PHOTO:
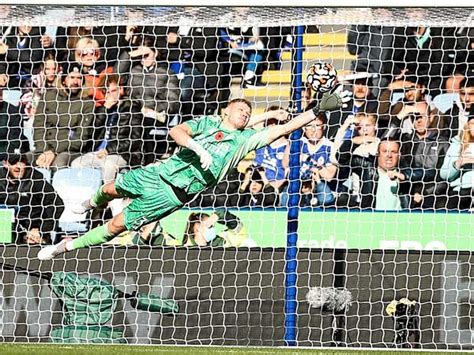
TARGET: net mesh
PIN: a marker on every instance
(385, 235)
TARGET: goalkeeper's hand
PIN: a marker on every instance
(204, 156)
(333, 100)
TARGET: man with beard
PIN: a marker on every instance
(37, 206)
(60, 122)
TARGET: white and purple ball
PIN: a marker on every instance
(322, 77)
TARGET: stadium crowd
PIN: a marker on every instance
(105, 97)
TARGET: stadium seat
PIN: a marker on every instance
(74, 185)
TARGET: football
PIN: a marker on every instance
(322, 77)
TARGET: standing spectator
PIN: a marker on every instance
(362, 101)
(410, 89)
(379, 183)
(116, 134)
(154, 88)
(23, 49)
(458, 167)
(11, 134)
(363, 144)
(61, 120)
(246, 44)
(87, 55)
(37, 206)
(422, 155)
(458, 115)
(317, 170)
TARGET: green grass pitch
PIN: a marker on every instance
(56, 349)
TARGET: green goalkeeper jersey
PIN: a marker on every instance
(226, 147)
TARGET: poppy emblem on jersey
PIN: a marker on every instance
(219, 136)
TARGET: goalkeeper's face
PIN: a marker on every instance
(237, 114)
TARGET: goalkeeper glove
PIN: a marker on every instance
(204, 156)
(333, 100)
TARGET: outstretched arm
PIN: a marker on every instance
(329, 102)
(183, 136)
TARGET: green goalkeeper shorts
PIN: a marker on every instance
(153, 198)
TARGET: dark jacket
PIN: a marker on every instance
(11, 133)
(156, 88)
(369, 177)
(123, 126)
(60, 122)
(421, 159)
(37, 204)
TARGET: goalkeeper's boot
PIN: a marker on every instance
(84, 207)
(49, 252)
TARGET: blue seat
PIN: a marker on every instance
(74, 185)
(445, 102)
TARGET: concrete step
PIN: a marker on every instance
(317, 53)
(325, 39)
(278, 91)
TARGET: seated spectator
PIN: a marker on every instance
(270, 157)
(422, 155)
(200, 230)
(317, 171)
(60, 122)
(37, 206)
(458, 167)
(464, 60)
(363, 144)
(245, 43)
(255, 190)
(459, 113)
(87, 55)
(12, 138)
(23, 48)
(116, 134)
(362, 101)
(411, 89)
(155, 89)
(379, 183)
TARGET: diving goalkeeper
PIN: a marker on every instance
(211, 146)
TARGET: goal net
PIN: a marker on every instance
(356, 231)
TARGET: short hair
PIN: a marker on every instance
(106, 80)
(388, 140)
(365, 115)
(467, 82)
(87, 42)
(241, 100)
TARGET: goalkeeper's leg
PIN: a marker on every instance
(103, 195)
(96, 236)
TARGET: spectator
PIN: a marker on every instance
(457, 116)
(37, 206)
(464, 66)
(379, 183)
(458, 167)
(116, 134)
(48, 77)
(373, 46)
(363, 144)
(12, 138)
(255, 190)
(60, 122)
(155, 89)
(362, 101)
(200, 230)
(317, 171)
(424, 51)
(410, 90)
(422, 155)
(87, 55)
(23, 49)
(270, 157)
(245, 43)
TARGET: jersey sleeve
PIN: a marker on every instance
(256, 140)
(200, 124)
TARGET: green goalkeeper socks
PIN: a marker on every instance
(98, 235)
(100, 198)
